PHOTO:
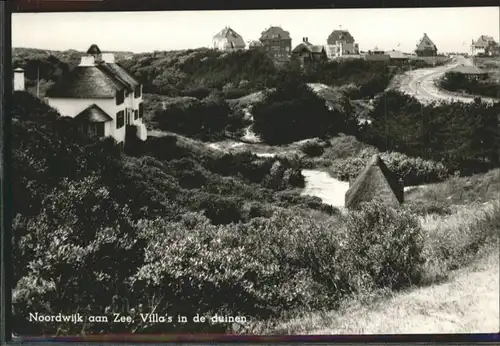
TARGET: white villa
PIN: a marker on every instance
(101, 95)
(340, 43)
(228, 40)
(484, 46)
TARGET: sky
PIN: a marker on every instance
(451, 29)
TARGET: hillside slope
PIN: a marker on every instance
(468, 303)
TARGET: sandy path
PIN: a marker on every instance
(468, 303)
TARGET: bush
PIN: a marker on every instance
(312, 149)
(205, 119)
(269, 267)
(413, 171)
(385, 245)
(464, 136)
(294, 112)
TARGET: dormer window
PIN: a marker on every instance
(120, 97)
(137, 91)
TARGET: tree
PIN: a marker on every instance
(294, 112)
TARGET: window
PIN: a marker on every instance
(141, 110)
(136, 114)
(120, 97)
(137, 91)
(93, 130)
(120, 121)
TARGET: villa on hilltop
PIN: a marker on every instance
(340, 43)
(306, 52)
(485, 46)
(426, 47)
(228, 40)
(277, 42)
(100, 95)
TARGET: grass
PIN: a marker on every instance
(459, 190)
(458, 306)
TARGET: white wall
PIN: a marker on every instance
(340, 49)
(71, 107)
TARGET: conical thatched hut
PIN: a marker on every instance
(375, 180)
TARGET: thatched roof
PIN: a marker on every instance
(375, 180)
(87, 82)
(120, 73)
(93, 114)
(101, 80)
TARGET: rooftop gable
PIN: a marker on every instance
(340, 35)
(375, 180)
(93, 114)
(425, 43)
(275, 32)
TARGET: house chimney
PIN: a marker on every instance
(87, 60)
(19, 79)
(303, 39)
(108, 58)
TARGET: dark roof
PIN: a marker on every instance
(87, 82)
(102, 80)
(93, 114)
(484, 40)
(93, 49)
(301, 46)
(340, 35)
(425, 43)
(470, 69)
(309, 47)
(375, 180)
(275, 32)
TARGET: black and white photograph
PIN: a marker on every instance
(256, 172)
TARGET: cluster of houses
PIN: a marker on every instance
(100, 95)
(339, 44)
(105, 100)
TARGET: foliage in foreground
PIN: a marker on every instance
(262, 269)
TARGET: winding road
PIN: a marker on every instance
(420, 84)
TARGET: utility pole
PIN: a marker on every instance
(38, 82)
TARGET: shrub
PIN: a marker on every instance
(386, 245)
(269, 267)
(203, 119)
(413, 171)
(292, 113)
(312, 149)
